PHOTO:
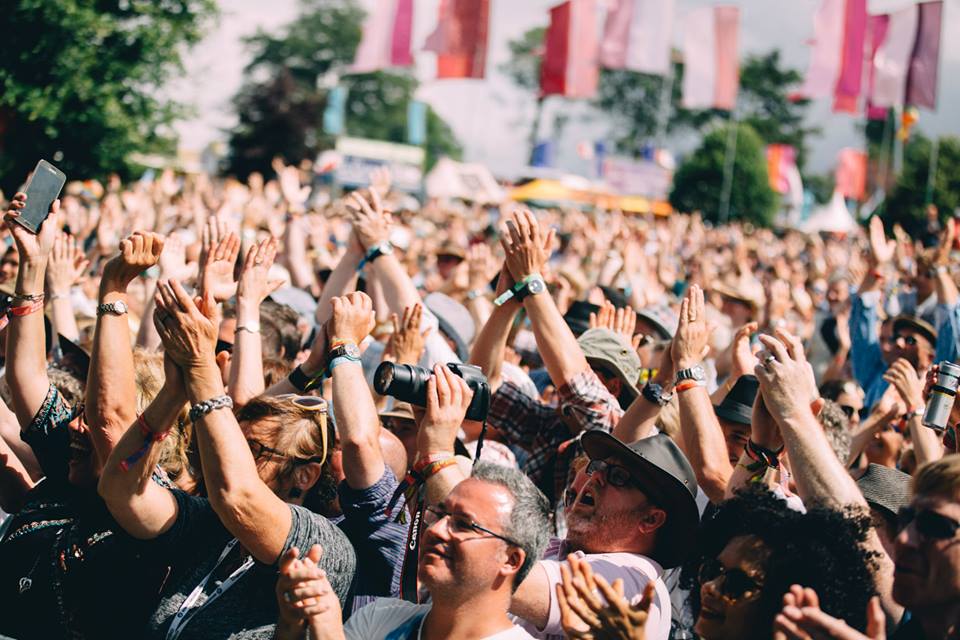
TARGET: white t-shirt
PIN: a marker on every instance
(635, 570)
(393, 619)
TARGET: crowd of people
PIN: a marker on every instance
(255, 410)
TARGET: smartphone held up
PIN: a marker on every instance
(43, 188)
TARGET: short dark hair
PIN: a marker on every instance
(821, 549)
(529, 523)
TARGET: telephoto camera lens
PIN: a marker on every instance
(409, 383)
(942, 395)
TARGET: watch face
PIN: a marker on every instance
(537, 286)
(698, 373)
(386, 248)
(120, 306)
(351, 350)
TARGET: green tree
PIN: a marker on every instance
(281, 103)
(907, 203)
(697, 182)
(80, 81)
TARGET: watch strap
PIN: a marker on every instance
(517, 290)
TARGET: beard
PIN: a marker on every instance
(601, 532)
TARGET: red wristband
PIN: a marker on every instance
(434, 468)
(426, 461)
(27, 309)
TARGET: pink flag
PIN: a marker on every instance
(851, 177)
(892, 60)
(877, 28)
(569, 67)
(386, 37)
(824, 56)
(637, 36)
(847, 91)
(710, 53)
(781, 162)
(922, 81)
(460, 39)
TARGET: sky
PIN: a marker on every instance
(491, 117)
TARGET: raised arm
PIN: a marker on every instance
(358, 425)
(448, 398)
(66, 266)
(111, 393)
(142, 507)
(26, 357)
(342, 280)
(246, 506)
(703, 438)
(487, 351)
(926, 443)
(528, 250)
(246, 373)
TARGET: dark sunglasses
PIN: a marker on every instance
(460, 524)
(930, 524)
(909, 340)
(848, 410)
(616, 475)
(736, 583)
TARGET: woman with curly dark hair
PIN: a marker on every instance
(756, 547)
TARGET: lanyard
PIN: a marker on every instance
(188, 609)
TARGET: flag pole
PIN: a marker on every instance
(728, 160)
(666, 104)
(932, 170)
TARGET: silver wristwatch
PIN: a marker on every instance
(695, 373)
(117, 308)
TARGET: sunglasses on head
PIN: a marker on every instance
(736, 582)
(930, 524)
(307, 403)
(616, 475)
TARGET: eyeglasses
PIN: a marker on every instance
(459, 524)
(736, 582)
(261, 450)
(616, 475)
(307, 403)
(930, 524)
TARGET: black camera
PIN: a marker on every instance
(409, 383)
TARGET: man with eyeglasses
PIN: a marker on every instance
(478, 545)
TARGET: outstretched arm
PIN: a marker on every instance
(487, 351)
(66, 266)
(111, 393)
(358, 425)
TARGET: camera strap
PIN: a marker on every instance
(409, 589)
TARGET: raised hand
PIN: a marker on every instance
(33, 247)
(140, 251)
(584, 616)
(881, 249)
(407, 341)
(803, 619)
(692, 340)
(67, 264)
(380, 180)
(218, 260)
(622, 321)
(908, 384)
(304, 595)
(188, 328)
(371, 223)
(526, 245)
(254, 285)
(293, 193)
(448, 398)
(353, 318)
(744, 360)
(173, 260)
(478, 265)
(785, 377)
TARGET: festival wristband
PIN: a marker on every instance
(436, 467)
(25, 310)
(515, 289)
(339, 360)
(686, 385)
(426, 461)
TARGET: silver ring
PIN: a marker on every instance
(769, 359)
(287, 596)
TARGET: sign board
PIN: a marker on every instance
(360, 156)
(637, 178)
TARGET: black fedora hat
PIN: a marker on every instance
(664, 474)
(737, 406)
(885, 489)
(577, 316)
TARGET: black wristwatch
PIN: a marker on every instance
(653, 392)
(302, 382)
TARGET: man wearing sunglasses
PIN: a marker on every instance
(927, 553)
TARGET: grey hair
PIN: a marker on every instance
(529, 522)
(837, 429)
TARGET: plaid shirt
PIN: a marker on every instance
(544, 431)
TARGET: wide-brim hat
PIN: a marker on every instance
(737, 406)
(919, 325)
(577, 316)
(662, 318)
(399, 411)
(605, 349)
(885, 489)
(664, 474)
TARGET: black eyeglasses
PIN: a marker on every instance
(460, 524)
(930, 524)
(736, 582)
(909, 340)
(616, 475)
(261, 450)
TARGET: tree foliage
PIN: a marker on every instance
(697, 182)
(907, 203)
(281, 103)
(80, 80)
